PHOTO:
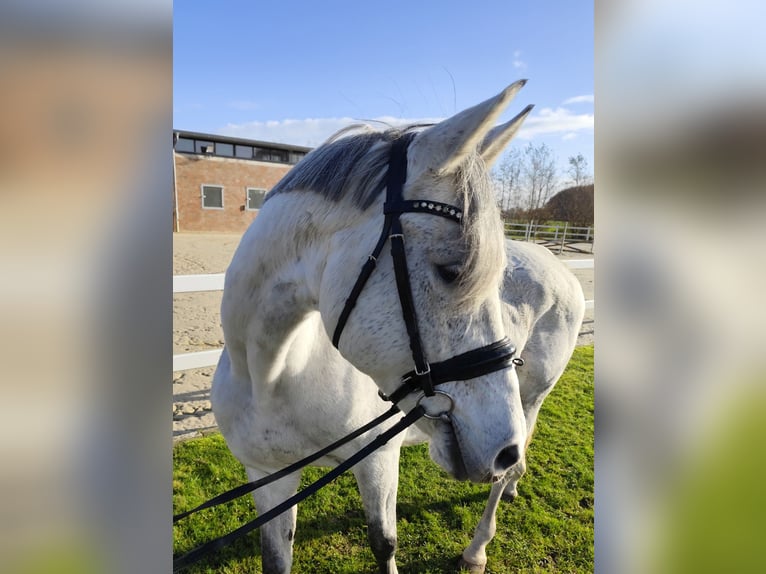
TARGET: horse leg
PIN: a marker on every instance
(378, 479)
(276, 535)
(474, 557)
(513, 476)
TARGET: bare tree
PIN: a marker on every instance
(578, 170)
(507, 176)
(538, 175)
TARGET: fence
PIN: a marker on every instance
(553, 236)
(214, 282)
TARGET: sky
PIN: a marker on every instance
(296, 72)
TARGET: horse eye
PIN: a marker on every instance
(448, 273)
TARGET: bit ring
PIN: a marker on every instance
(442, 415)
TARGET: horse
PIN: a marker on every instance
(310, 347)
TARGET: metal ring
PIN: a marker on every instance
(442, 414)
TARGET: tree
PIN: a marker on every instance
(578, 170)
(538, 175)
(507, 177)
(574, 204)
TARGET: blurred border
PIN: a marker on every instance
(85, 311)
(85, 305)
(680, 169)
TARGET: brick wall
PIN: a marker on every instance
(235, 175)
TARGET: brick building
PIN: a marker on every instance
(220, 182)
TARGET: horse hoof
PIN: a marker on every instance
(464, 566)
(509, 497)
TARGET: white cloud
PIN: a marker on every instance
(551, 121)
(518, 63)
(311, 132)
(308, 132)
(584, 99)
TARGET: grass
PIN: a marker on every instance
(548, 528)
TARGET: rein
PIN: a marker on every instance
(424, 377)
(218, 543)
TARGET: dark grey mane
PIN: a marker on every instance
(347, 166)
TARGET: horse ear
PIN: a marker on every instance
(499, 136)
(442, 148)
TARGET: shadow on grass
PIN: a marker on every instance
(326, 525)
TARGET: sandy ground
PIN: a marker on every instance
(197, 324)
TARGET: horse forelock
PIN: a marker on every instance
(352, 166)
(482, 232)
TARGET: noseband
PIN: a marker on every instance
(424, 377)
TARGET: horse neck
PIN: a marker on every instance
(272, 284)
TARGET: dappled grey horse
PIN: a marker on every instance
(283, 389)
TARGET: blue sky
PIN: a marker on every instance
(296, 72)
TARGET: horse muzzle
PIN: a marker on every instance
(450, 450)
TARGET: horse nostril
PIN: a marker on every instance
(507, 457)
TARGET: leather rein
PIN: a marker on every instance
(424, 377)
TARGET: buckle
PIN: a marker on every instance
(424, 379)
(424, 373)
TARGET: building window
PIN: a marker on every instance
(243, 151)
(255, 198)
(212, 197)
(211, 147)
(296, 156)
(224, 149)
(203, 146)
(185, 145)
(270, 154)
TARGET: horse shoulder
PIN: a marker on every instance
(537, 281)
(544, 310)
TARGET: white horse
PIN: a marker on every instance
(282, 390)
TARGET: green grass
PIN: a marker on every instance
(548, 528)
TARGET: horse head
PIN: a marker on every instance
(441, 299)
(454, 267)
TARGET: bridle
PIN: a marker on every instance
(425, 376)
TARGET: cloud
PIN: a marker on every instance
(311, 132)
(308, 132)
(585, 99)
(551, 121)
(518, 63)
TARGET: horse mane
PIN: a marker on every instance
(352, 166)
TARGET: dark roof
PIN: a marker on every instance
(241, 141)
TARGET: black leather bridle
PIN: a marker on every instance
(424, 377)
